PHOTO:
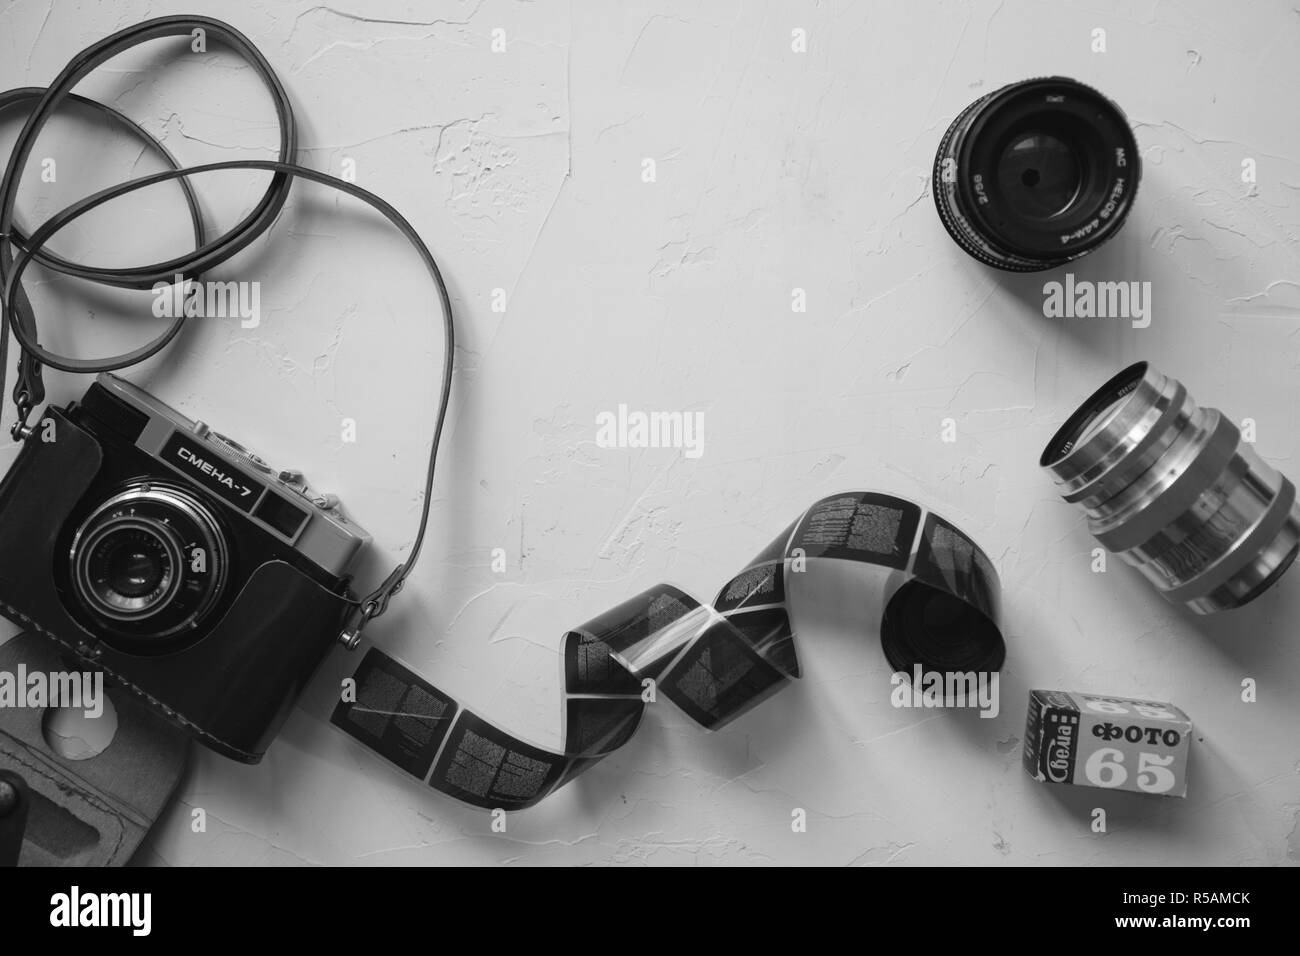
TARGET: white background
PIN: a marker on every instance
(776, 170)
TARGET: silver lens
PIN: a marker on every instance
(1170, 488)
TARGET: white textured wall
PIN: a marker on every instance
(776, 170)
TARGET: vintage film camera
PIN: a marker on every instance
(176, 561)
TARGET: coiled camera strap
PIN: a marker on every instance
(18, 251)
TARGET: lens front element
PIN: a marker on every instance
(1039, 175)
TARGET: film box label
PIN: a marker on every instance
(1116, 743)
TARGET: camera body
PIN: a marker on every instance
(176, 561)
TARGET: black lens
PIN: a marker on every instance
(1036, 174)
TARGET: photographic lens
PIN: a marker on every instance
(148, 563)
(1171, 488)
(1036, 174)
(130, 567)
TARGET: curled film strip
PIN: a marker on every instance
(936, 591)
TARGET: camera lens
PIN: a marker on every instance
(130, 567)
(1036, 174)
(1171, 488)
(148, 564)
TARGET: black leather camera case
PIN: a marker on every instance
(234, 681)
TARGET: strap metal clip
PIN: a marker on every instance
(370, 608)
(21, 431)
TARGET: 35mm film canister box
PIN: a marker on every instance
(1117, 743)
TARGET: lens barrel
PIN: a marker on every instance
(1171, 488)
(130, 568)
(1036, 174)
(148, 565)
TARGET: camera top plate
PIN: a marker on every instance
(280, 502)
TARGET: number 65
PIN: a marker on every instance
(1105, 768)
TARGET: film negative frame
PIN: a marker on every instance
(714, 661)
